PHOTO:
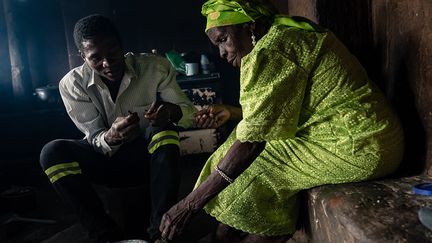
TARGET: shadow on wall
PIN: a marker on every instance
(356, 32)
(389, 56)
(414, 133)
(403, 33)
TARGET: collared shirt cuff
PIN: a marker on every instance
(106, 148)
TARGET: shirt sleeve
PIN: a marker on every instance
(171, 92)
(84, 114)
(272, 89)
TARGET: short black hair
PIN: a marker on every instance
(93, 26)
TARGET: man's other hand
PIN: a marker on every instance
(124, 128)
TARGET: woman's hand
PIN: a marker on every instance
(176, 219)
(212, 117)
(239, 157)
(163, 113)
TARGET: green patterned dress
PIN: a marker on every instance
(322, 119)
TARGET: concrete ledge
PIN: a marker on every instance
(198, 141)
(376, 211)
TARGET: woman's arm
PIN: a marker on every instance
(239, 157)
(236, 112)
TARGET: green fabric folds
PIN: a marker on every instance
(323, 122)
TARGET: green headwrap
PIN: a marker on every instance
(226, 12)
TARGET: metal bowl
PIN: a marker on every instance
(49, 93)
(131, 241)
(19, 198)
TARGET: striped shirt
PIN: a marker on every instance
(88, 101)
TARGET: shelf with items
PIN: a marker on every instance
(202, 90)
(200, 80)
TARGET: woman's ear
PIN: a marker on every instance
(81, 54)
(250, 26)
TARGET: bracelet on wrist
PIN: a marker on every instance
(223, 175)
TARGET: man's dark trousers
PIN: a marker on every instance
(73, 166)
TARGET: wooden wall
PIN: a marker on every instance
(392, 40)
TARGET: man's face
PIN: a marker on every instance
(105, 57)
(234, 42)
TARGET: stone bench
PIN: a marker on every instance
(375, 211)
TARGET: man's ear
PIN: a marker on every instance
(81, 54)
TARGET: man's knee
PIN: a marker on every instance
(54, 161)
(54, 152)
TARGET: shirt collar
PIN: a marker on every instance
(127, 76)
(129, 69)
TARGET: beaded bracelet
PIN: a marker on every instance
(221, 173)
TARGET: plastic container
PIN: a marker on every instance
(205, 64)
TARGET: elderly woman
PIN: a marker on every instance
(309, 116)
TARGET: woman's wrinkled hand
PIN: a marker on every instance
(212, 117)
(123, 129)
(176, 219)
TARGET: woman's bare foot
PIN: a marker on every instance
(222, 234)
(227, 234)
(265, 239)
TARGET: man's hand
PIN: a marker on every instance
(123, 129)
(162, 113)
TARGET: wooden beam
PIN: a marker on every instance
(21, 80)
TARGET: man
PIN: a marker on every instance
(128, 108)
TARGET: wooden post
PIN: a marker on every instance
(5, 74)
(21, 80)
(73, 56)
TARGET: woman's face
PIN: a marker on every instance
(234, 42)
